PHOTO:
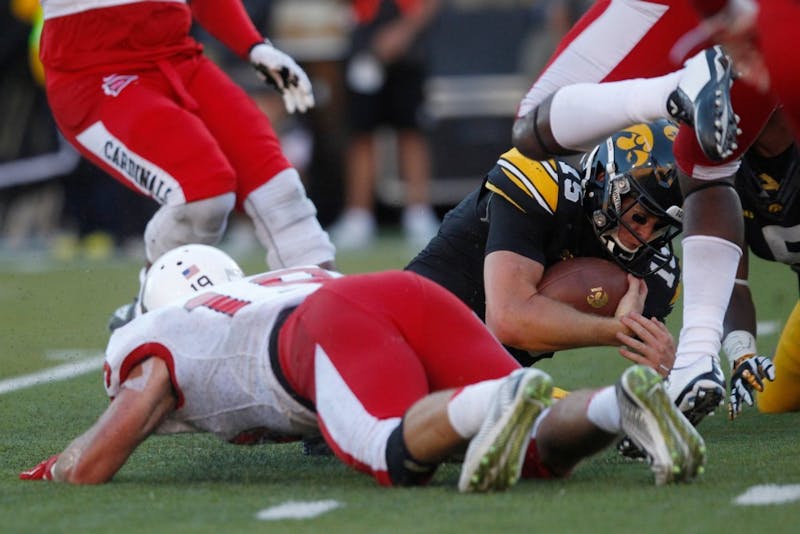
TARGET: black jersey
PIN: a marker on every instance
(532, 208)
(768, 190)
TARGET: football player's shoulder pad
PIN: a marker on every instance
(528, 183)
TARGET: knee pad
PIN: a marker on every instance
(202, 221)
(286, 224)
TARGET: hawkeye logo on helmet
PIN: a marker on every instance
(670, 132)
(637, 143)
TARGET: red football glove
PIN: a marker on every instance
(43, 471)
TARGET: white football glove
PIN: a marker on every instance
(281, 71)
(748, 374)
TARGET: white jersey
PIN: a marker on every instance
(59, 8)
(216, 347)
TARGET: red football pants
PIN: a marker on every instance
(364, 348)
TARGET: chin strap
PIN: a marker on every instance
(615, 247)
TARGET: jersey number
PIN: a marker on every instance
(572, 188)
(783, 242)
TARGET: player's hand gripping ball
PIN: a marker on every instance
(590, 285)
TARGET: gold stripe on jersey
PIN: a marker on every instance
(538, 179)
(491, 187)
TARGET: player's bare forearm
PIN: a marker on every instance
(541, 324)
(521, 317)
(95, 456)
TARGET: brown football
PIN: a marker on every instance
(590, 285)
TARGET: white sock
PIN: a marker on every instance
(709, 271)
(467, 409)
(584, 114)
(603, 411)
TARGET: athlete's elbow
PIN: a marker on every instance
(85, 473)
(506, 330)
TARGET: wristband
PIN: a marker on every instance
(739, 343)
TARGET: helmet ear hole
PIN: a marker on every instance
(185, 270)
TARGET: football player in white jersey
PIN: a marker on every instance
(392, 369)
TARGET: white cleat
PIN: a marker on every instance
(495, 455)
(697, 389)
(674, 448)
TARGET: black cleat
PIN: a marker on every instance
(703, 101)
(123, 315)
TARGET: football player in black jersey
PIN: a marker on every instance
(493, 248)
(768, 183)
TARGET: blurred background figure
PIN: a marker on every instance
(31, 151)
(50, 198)
(385, 75)
(479, 57)
(139, 99)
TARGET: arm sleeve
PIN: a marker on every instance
(228, 21)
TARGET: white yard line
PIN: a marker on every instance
(769, 494)
(297, 510)
(766, 328)
(53, 374)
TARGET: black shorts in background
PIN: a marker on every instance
(398, 103)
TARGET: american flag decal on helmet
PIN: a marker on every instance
(115, 83)
(190, 272)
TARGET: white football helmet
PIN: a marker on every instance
(184, 270)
